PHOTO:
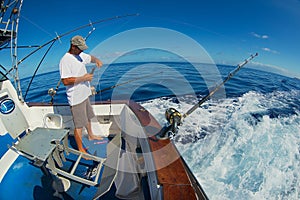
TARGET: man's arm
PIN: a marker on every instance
(74, 80)
(96, 61)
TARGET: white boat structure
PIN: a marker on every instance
(130, 163)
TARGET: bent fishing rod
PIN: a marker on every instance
(52, 41)
(175, 118)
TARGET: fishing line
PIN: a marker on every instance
(36, 25)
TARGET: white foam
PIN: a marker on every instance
(236, 149)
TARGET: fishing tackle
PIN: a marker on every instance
(174, 117)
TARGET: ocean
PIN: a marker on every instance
(243, 143)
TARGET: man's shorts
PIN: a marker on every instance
(82, 113)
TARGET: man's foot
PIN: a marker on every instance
(95, 137)
(83, 150)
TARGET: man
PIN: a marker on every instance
(77, 81)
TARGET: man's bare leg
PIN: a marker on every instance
(78, 139)
(90, 133)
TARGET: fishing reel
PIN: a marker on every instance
(52, 92)
(174, 118)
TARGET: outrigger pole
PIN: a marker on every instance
(67, 33)
(175, 118)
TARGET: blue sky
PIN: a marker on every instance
(228, 30)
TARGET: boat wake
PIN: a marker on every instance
(241, 147)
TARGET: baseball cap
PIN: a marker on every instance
(79, 42)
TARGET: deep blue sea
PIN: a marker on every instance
(243, 143)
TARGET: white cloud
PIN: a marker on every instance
(263, 65)
(270, 50)
(272, 68)
(259, 36)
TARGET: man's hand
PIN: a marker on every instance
(96, 61)
(88, 77)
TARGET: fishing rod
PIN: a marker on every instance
(52, 92)
(175, 118)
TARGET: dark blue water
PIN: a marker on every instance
(150, 82)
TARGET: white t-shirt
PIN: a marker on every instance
(70, 66)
